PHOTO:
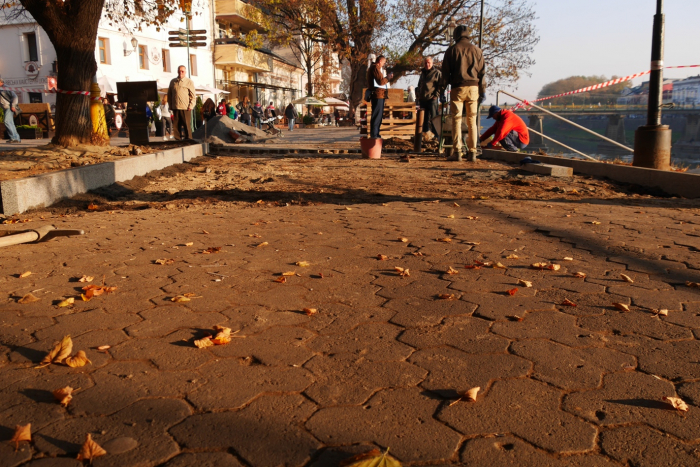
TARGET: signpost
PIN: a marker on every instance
(188, 38)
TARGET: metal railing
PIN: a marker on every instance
(604, 138)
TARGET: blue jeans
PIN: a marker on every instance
(376, 120)
(10, 125)
(512, 142)
(291, 124)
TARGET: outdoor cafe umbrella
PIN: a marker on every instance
(309, 100)
(333, 102)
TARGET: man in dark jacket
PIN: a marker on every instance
(257, 115)
(428, 93)
(509, 130)
(378, 85)
(291, 113)
(463, 69)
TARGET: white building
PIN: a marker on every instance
(687, 91)
(120, 55)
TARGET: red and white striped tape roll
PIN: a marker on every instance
(51, 91)
(612, 82)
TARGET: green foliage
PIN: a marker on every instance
(27, 127)
(607, 95)
(2, 115)
(308, 120)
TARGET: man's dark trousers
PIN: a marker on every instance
(431, 110)
(182, 118)
(376, 120)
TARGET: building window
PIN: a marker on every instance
(32, 49)
(35, 97)
(193, 64)
(143, 57)
(166, 60)
(103, 47)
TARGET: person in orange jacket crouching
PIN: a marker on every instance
(509, 130)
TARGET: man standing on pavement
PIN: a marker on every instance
(291, 113)
(509, 130)
(428, 94)
(181, 97)
(8, 101)
(377, 84)
(463, 69)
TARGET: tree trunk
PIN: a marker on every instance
(358, 80)
(75, 72)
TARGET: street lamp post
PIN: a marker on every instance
(652, 142)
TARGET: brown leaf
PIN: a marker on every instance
(446, 296)
(90, 450)
(382, 257)
(80, 359)
(22, 433)
(373, 458)
(621, 306)
(67, 302)
(451, 216)
(180, 299)
(455, 205)
(499, 266)
(63, 395)
(86, 279)
(281, 280)
(657, 313)
(402, 272)
(95, 290)
(403, 239)
(93, 207)
(29, 298)
(580, 275)
(260, 245)
(524, 283)
(553, 267)
(303, 264)
(538, 265)
(445, 240)
(61, 350)
(25, 274)
(512, 292)
(204, 342)
(473, 243)
(568, 258)
(514, 318)
(452, 271)
(512, 256)
(164, 262)
(677, 403)
(627, 278)
(692, 284)
(289, 273)
(469, 396)
(211, 249)
(189, 243)
(568, 302)
(223, 336)
(472, 266)
(595, 222)
(310, 311)
(104, 347)
(472, 218)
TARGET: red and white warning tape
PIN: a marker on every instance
(612, 82)
(51, 91)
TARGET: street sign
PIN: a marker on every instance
(198, 44)
(197, 31)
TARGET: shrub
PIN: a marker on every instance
(308, 120)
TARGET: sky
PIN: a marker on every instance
(606, 37)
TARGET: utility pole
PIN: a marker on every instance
(652, 142)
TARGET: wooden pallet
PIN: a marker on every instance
(393, 126)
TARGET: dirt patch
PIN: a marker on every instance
(398, 143)
(27, 162)
(218, 130)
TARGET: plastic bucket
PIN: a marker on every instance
(371, 148)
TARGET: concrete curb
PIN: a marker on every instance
(673, 183)
(23, 194)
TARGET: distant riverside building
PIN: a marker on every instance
(687, 91)
(639, 95)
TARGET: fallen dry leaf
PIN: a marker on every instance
(524, 283)
(469, 396)
(692, 284)
(29, 298)
(86, 279)
(595, 222)
(211, 249)
(481, 263)
(289, 273)
(568, 302)
(471, 218)
(80, 359)
(627, 278)
(580, 275)
(417, 253)
(621, 306)
(445, 240)
(568, 258)
(164, 262)
(189, 243)
(663, 312)
(473, 243)
(446, 296)
(203, 342)
(95, 290)
(373, 458)
(281, 280)
(22, 433)
(472, 266)
(223, 336)
(254, 235)
(538, 265)
(25, 274)
(403, 239)
(180, 299)
(451, 271)
(90, 450)
(67, 302)
(677, 403)
(93, 207)
(512, 292)
(310, 311)
(402, 272)
(514, 318)
(348, 209)
(512, 256)
(382, 257)
(499, 266)
(63, 395)
(61, 350)
(260, 245)
(104, 347)
(205, 232)
(455, 205)
(303, 264)
(554, 267)
(451, 216)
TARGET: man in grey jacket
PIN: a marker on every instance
(428, 94)
(463, 69)
(8, 101)
(181, 98)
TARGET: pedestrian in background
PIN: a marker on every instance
(231, 111)
(109, 114)
(463, 69)
(9, 102)
(166, 122)
(181, 97)
(270, 111)
(258, 114)
(221, 108)
(336, 116)
(245, 110)
(377, 86)
(428, 93)
(291, 113)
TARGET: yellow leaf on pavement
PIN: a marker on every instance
(580, 275)
(289, 273)
(382, 257)
(61, 350)
(373, 458)
(22, 433)
(692, 284)
(204, 342)
(446, 296)
(29, 298)
(512, 256)
(25, 274)
(451, 216)
(164, 262)
(310, 311)
(403, 239)
(90, 450)
(677, 403)
(445, 240)
(180, 299)
(67, 302)
(402, 272)
(524, 283)
(621, 306)
(627, 278)
(468, 396)
(63, 395)
(452, 271)
(86, 279)
(303, 264)
(80, 359)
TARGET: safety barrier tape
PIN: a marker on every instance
(51, 91)
(594, 87)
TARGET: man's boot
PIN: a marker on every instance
(456, 155)
(470, 156)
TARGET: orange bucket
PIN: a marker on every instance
(371, 148)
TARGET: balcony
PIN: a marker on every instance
(238, 13)
(228, 52)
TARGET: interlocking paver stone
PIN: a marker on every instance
(552, 325)
(469, 334)
(641, 445)
(204, 459)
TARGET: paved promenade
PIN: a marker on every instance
(384, 355)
